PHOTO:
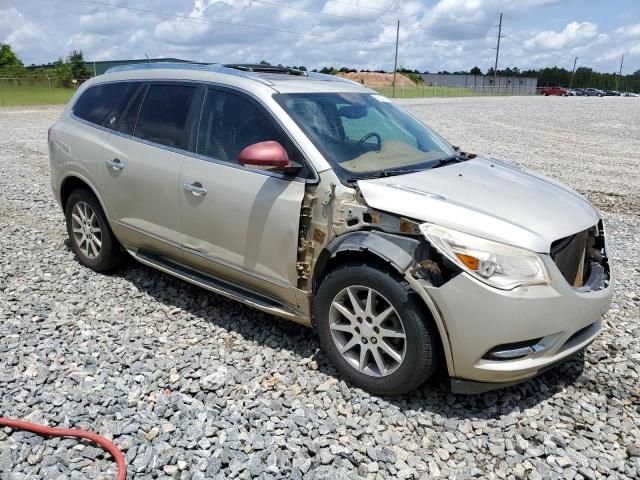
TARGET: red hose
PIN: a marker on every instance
(64, 432)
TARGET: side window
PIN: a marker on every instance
(163, 114)
(128, 122)
(230, 122)
(103, 104)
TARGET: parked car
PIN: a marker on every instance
(572, 92)
(629, 94)
(561, 91)
(593, 92)
(579, 92)
(316, 199)
(611, 93)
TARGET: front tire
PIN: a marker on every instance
(374, 330)
(91, 237)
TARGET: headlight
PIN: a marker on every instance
(496, 264)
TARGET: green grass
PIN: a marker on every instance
(41, 95)
(33, 95)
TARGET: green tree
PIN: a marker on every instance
(62, 72)
(77, 65)
(475, 71)
(8, 57)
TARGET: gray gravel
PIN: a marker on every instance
(194, 386)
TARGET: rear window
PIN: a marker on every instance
(163, 115)
(103, 104)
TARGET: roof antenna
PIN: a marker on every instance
(147, 55)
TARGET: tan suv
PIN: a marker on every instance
(316, 199)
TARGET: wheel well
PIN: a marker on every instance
(326, 263)
(68, 186)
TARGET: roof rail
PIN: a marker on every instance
(261, 68)
(203, 67)
(248, 71)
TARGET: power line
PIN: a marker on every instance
(317, 12)
(412, 15)
(234, 24)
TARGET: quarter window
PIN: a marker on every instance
(103, 104)
(231, 122)
(163, 115)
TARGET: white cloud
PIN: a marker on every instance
(572, 34)
(630, 31)
(434, 34)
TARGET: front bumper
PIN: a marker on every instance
(478, 318)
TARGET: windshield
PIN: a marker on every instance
(365, 135)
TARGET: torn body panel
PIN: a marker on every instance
(335, 220)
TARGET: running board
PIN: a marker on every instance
(221, 287)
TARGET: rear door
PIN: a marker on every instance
(141, 177)
(240, 223)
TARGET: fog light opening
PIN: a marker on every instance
(515, 351)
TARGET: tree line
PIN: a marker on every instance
(60, 73)
(548, 76)
(64, 71)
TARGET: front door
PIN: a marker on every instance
(238, 222)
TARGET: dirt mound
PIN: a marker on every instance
(372, 79)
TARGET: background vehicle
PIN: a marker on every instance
(579, 92)
(560, 91)
(318, 200)
(593, 92)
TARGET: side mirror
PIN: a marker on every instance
(269, 155)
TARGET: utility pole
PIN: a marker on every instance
(395, 62)
(495, 68)
(573, 72)
(620, 73)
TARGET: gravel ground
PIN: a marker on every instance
(194, 386)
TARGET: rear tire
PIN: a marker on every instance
(91, 237)
(400, 349)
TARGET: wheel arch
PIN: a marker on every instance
(73, 182)
(395, 253)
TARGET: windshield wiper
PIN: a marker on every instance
(385, 173)
(447, 160)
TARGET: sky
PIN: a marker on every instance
(435, 35)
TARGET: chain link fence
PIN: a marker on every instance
(33, 91)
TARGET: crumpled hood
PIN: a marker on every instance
(486, 197)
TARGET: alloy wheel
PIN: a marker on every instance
(367, 331)
(86, 230)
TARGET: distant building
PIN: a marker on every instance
(484, 83)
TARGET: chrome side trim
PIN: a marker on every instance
(221, 287)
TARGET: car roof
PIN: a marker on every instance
(250, 77)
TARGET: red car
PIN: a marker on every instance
(561, 91)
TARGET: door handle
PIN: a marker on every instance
(195, 188)
(115, 164)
